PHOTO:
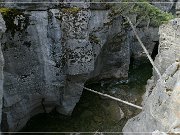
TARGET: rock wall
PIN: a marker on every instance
(30, 71)
(165, 5)
(2, 30)
(44, 58)
(49, 48)
(114, 44)
(77, 51)
(161, 100)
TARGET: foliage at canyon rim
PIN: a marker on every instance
(143, 11)
(72, 10)
(9, 15)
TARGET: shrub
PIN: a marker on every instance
(143, 11)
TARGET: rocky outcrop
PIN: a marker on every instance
(30, 72)
(48, 49)
(2, 29)
(114, 44)
(165, 5)
(111, 46)
(77, 51)
(161, 100)
(43, 62)
(178, 8)
(169, 44)
(161, 108)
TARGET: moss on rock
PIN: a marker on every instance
(143, 11)
(9, 16)
(72, 10)
(4, 10)
(94, 39)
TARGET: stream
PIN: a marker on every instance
(96, 113)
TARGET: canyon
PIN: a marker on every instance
(49, 48)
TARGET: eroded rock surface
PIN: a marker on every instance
(2, 30)
(161, 106)
(48, 49)
(44, 61)
(165, 5)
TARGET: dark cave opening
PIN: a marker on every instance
(94, 112)
(155, 50)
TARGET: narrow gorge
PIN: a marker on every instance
(49, 48)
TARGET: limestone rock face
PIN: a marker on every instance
(165, 5)
(178, 8)
(77, 52)
(2, 30)
(31, 76)
(42, 64)
(114, 49)
(51, 48)
(75, 36)
(169, 45)
(149, 37)
(161, 106)
(114, 45)
(30, 4)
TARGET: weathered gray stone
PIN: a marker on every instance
(49, 51)
(110, 41)
(74, 23)
(30, 4)
(98, 34)
(78, 3)
(169, 45)
(72, 93)
(80, 57)
(98, 31)
(33, 76)
(2, 30)
(165, 5)
(116, 58)
(109, 53)
(160, 110)
(149, 37)
(178, 8)
(77, 51)
(161, 104)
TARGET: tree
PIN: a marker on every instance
(143, 10)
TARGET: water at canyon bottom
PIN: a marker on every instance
(95, 113)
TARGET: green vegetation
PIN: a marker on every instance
(94, 39)
(72, 10)
(10, 12)
(143, 11)
(4, 10)
(9, 15)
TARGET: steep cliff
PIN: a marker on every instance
(48, 48)
(2, 30)
(43, 61)
(161, 100)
